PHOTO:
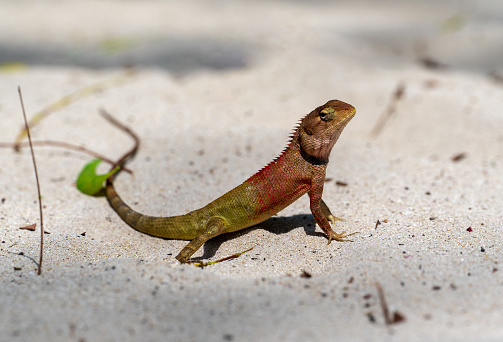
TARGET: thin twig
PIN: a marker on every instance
(61, 144)
(122, 160)
(233, 256)
(389, 317)
(384, 305)
(38, 183)
(390, 110)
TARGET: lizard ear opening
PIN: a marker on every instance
(327, 114)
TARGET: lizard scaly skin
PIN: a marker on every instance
(298, 170)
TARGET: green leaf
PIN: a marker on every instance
(88, 182)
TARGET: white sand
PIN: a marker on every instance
(219, 87)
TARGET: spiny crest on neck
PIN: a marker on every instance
(292, 143)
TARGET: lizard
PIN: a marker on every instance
(299, 169)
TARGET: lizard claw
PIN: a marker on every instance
(342, 237)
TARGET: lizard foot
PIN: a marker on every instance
(342, 237)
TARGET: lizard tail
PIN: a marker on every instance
(166, 227)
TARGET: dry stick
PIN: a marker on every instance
(389, 318)
(390, 110)
(38, 183)
(75, 96)
(61, 144)
(233, 256)
(127, 130)
(384, 305)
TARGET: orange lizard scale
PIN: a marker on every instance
(298, 170)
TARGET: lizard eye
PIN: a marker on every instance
(327, 114)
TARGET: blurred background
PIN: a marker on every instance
(185, 37)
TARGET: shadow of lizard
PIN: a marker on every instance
(275, 225)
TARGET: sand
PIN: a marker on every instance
(218, 87)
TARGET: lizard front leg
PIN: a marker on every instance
(322, 215)
(327, 213)
(215, 226)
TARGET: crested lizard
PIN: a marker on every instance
(299, 169)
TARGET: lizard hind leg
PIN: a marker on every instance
(215, 226)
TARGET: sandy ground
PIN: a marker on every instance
(217, 89)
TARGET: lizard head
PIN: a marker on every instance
(319, 130)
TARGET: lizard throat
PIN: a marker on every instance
(312, 159)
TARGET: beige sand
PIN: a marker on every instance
(219, 87)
